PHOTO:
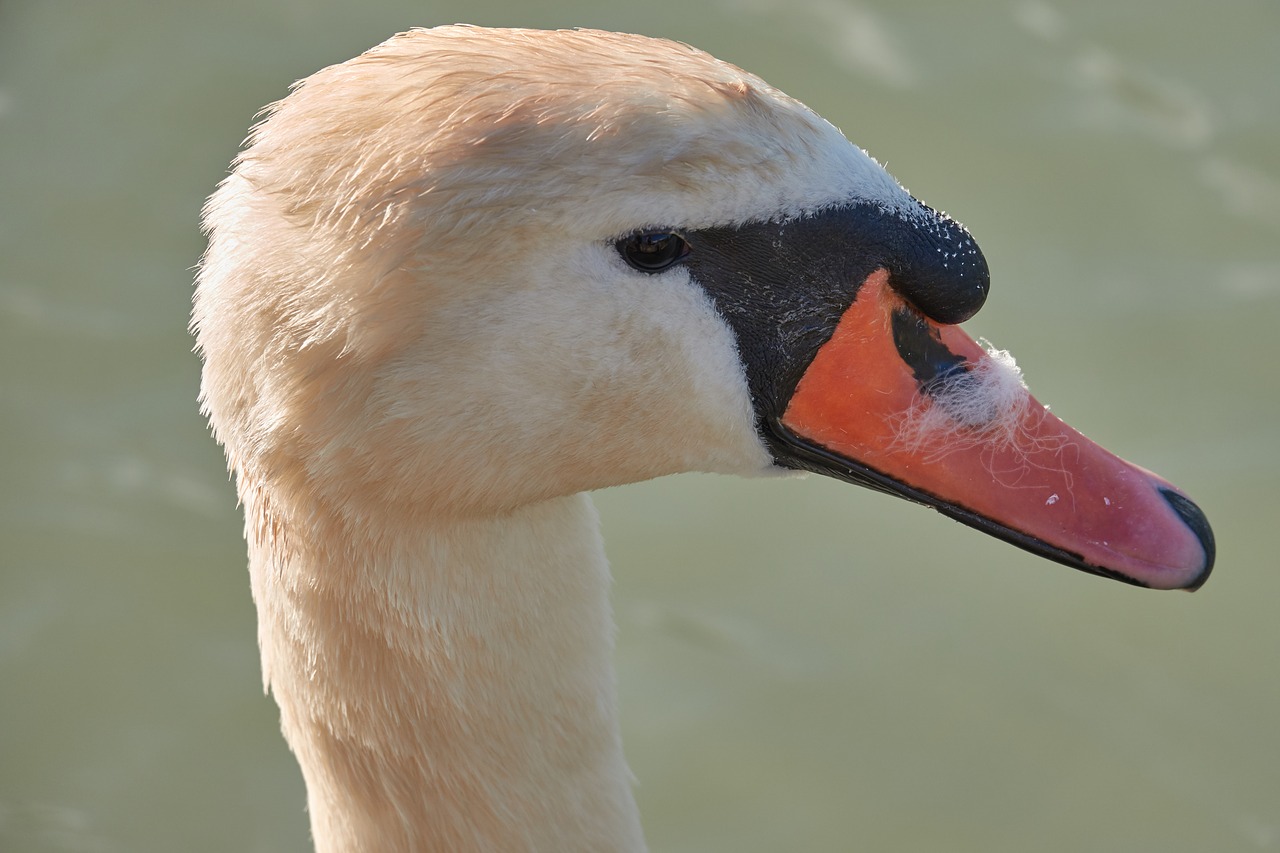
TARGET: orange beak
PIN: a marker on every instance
(903, 404)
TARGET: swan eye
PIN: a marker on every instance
(653, 251)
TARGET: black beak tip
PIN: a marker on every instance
(1195, 519)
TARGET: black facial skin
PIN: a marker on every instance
(783, 286)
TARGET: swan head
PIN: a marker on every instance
(472, 269)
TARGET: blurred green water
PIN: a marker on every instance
(804, 666)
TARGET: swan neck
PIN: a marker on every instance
(449, 687)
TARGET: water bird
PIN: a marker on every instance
(459, 281)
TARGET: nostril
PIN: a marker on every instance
(939, 268)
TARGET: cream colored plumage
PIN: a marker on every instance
(422, 345)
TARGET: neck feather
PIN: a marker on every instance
(448, 688)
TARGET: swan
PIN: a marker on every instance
(459, 281)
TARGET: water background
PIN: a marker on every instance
(804, 665)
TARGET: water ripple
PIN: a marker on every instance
(37, 310)
(1122, 95)
(1244, 190)
(855, 36)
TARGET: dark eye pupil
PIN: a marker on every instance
(653, 252)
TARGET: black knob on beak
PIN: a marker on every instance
(936, 265)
